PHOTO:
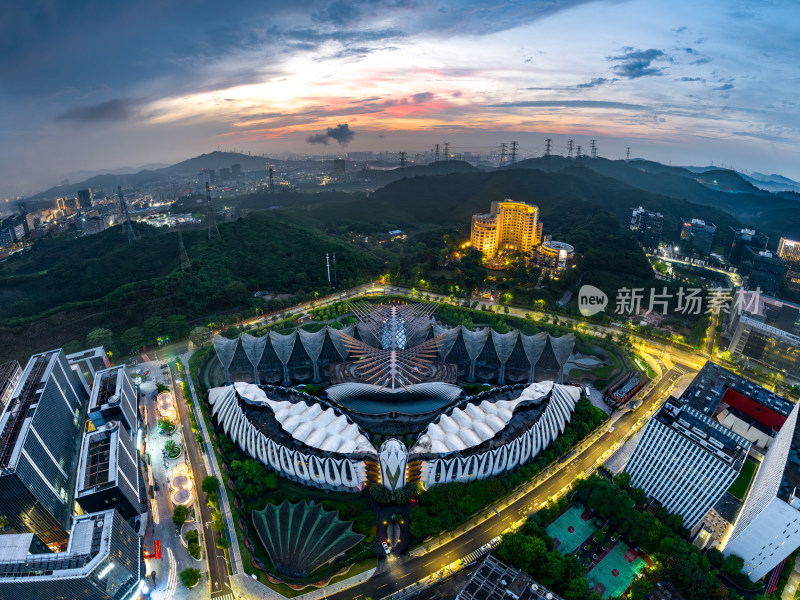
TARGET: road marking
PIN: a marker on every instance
(382, 586)
(427, 563)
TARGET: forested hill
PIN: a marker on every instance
(453, 199)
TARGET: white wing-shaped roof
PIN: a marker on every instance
(472, 425)
(312, 424)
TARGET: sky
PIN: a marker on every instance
(91, 85)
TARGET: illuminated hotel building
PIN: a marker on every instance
(510, 225)
(789, 250)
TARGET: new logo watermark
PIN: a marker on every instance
(591, 300)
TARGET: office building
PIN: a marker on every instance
(108, 472)
(763, 270)
(88, 362)
(554, 258)
(686, 460)
(339, 166)
(765, 331)
(236, 170)
(768, 528)
(40, 435)
(510, 225)
(224, 174)
(789, 250)
(102, 561)
(494, 580)
(114, 398)
(10, 374)
(745, 238)
(647, 226)
(85, 200)
(698, 235)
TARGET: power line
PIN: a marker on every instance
(578, 154)
(436, 154)
(186, 266)
(213, 230)
(548, 147)
(503, 150)
(403, 158)
(570, 145)
(628, 154)
(514, 148)
(447, 150)
(594, 148)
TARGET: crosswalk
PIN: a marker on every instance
(226, 596)
(472, 556)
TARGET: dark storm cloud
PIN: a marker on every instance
(116, 110)
(341, 133)
(637, 63)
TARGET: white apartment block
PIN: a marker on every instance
(686, 460)
(768, 527)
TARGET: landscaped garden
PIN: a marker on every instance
(739, 486)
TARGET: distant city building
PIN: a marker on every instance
(236, 170)
(225, 174)
(339, 166)
(40, 432)
(91, 225)
(694, 447)
(647, 226)
(494, 580)
(763, 270)
(114, 398)
(360, 156)
(103, 561)
(768, 528)
(553, 258)
(789, 250)
(745, 238)
(10, 375)
(698, 234)
(85, 199)
(108, 471)
(765, 331)
(510, 225)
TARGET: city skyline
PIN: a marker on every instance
(91, 89)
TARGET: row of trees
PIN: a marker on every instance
(445, 507)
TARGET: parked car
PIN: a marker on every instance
(386, 548)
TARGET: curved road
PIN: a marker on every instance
(399, 572)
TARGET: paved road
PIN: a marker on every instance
(398, 572)
(217, 567)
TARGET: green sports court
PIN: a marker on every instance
(571, 529)
(616, 571)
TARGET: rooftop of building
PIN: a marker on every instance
(106, 387)
(96, 352)
(88, 543)
(790, 482)
(495, 580)
(726, 445)
(728, 507)
(709, 388)
(98, 459)
(757, 303)
(698, 223)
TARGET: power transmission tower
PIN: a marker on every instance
(628, 154)
(570, 145)
(125, 217)
(514, 148)
(186, 266)
(447, 150)
(503, 152)
(213, 230)
(328, 266)
(436, 154)
(403, 158)
(594, 148)
(578, 152)
(548, 146)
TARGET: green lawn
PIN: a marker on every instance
(739, 486)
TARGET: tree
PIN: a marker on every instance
(199, 335)
(189, 577)
(179, 515)
(732, 565)
(177, 326)
(223, 544)
(153, 329)
(100, 337)
(132, 340)
(217, 523)
(210, 484)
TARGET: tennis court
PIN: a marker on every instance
(616, 572)
(571, 529)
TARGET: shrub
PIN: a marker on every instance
(189, 577)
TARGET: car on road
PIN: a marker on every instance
(386, 548)
(611, 429)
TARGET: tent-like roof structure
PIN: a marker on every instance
(300, 538)
(311, 424)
